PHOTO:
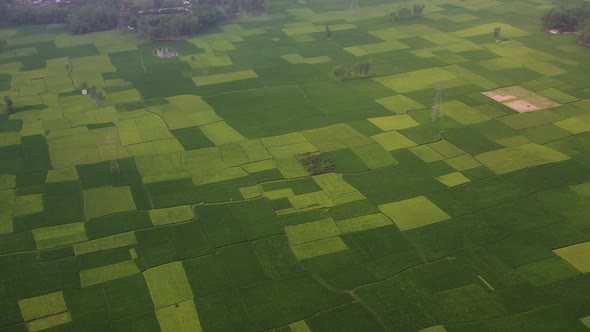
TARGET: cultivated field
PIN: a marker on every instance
(209, 222)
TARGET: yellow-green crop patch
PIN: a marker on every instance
(106, 243)
(221, 133)
(319, 248)
(42, 306)
(6, 210)
(62, 174)
(29, 204)
(507, 30)
(575, 125)
(106, 273)
(453, 179)
(180, 317)
(312, 231)
(286, 139)
(400, 104)
(291, 168)
(463, 162)
(168, 284)
(514, 158)
(413, 213)
(312, 200)
(286, 151)
(464, 114)
(393, 140)
(61, 235)
(578, 255)
(48, 322)
(171, 215)
(415, 80)
(427, 153)
(224, 78)
(447, 149)
(106, 200)
(297, 58)
(394, 122)
(335, 137)
(7, 181)
(362, 223)
(374, 156)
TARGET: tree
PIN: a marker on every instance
(9, 103)
(417, 9)
(339, 72)
(497, 33)
(91, 18)
(83, 85)
(584, 36)
(99, 97)
(328, 33)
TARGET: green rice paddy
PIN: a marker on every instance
(208, 221)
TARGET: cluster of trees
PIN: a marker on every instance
(15, 15)
(165, 26)
(231, 8)
(8, 101)
(567, 20)
(92, 18)
(316, 163)
(406, 13)
(97, 96)
(359, 69)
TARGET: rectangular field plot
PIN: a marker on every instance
(42, 306)
(56, 236)
(335, 137)
(578, 255)
(319, 248)
(168, 284)
(106, 273)
(415, 80)
(507, 160)
(413, 213)
(180, 317)
(106, 200)
(223, 78)
(312, 231)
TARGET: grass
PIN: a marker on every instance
(413, 213)
(168, 284)
(120, 200)
(41, 306)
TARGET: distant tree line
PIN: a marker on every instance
(405, 13)
(231, 8)
(569, 20)
(359, 69)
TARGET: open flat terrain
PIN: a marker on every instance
(209, 222)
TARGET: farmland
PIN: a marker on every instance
(181, 202)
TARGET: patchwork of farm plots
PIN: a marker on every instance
(209, 222)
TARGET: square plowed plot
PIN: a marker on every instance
(335, 137)
(507, 160)
(578, 255)
(413, 213)
(520, 99)
(106, 200)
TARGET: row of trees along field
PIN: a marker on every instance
(569, 20)
(85, 16)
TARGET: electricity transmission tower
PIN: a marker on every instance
(437, 111)
(354, 7)
(110, 142)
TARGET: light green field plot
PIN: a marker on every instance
(206, 60)
(62, 174)
(171, 215)
(221, 133)
(259, 166)
(319, 248)
(463, 162)
(6, 210)
(453, 179)
(513, 141)
(46, 323)
(286, 151)
(394, 122)
(464, 114)
(399, 104)
(233, 154)
(42, 306)
(153, 128)
(413, 213)
(7, 181)
(182, 317)
(545, 68)
(61, 235)
(286, 139)
(106, 200)
(200, 178)
(335, 137)
(106, 273)
(11, 138)
(297, 58)
(511, 159)
(507, 30)
(390, 34)
(250, 192)
(255, 150)
(415, 80)
(224, 78)
(29, 204)
(557, 95)
(291, 168)
(202, 160)
(312, 231)
(575, 125)
(88, 69)
(299, 326)
(333, 184)
(547, 271)
(169, 163)
(167, 146)
(446, 148)
(427, 153)
(279, 193)
(312, 200)
(106, 243)
(300, 28)
(168, 284)
(363, 223)
(393, 140)
(374, 156)
(578, 255)
(386, 46)
(441, 38)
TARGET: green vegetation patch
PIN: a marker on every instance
(362, 223)
(298, 234)
(547, 271)
(400, 104)
(171, 215)
(453, 179)
(61, 235)
(221, 133)
(514, 158)
(168, 284)
(462, 113)
(41, 306)
(335, 137)
(393, 140)
(180, 317)
(578, 255)
(106, 273)
(413, 213)
(415, 80)
(29, 204)
(374, 156)
(319, 248)
(106, 243)
(394, 122)
(106, 200)
(223, 78)
(49, 322)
